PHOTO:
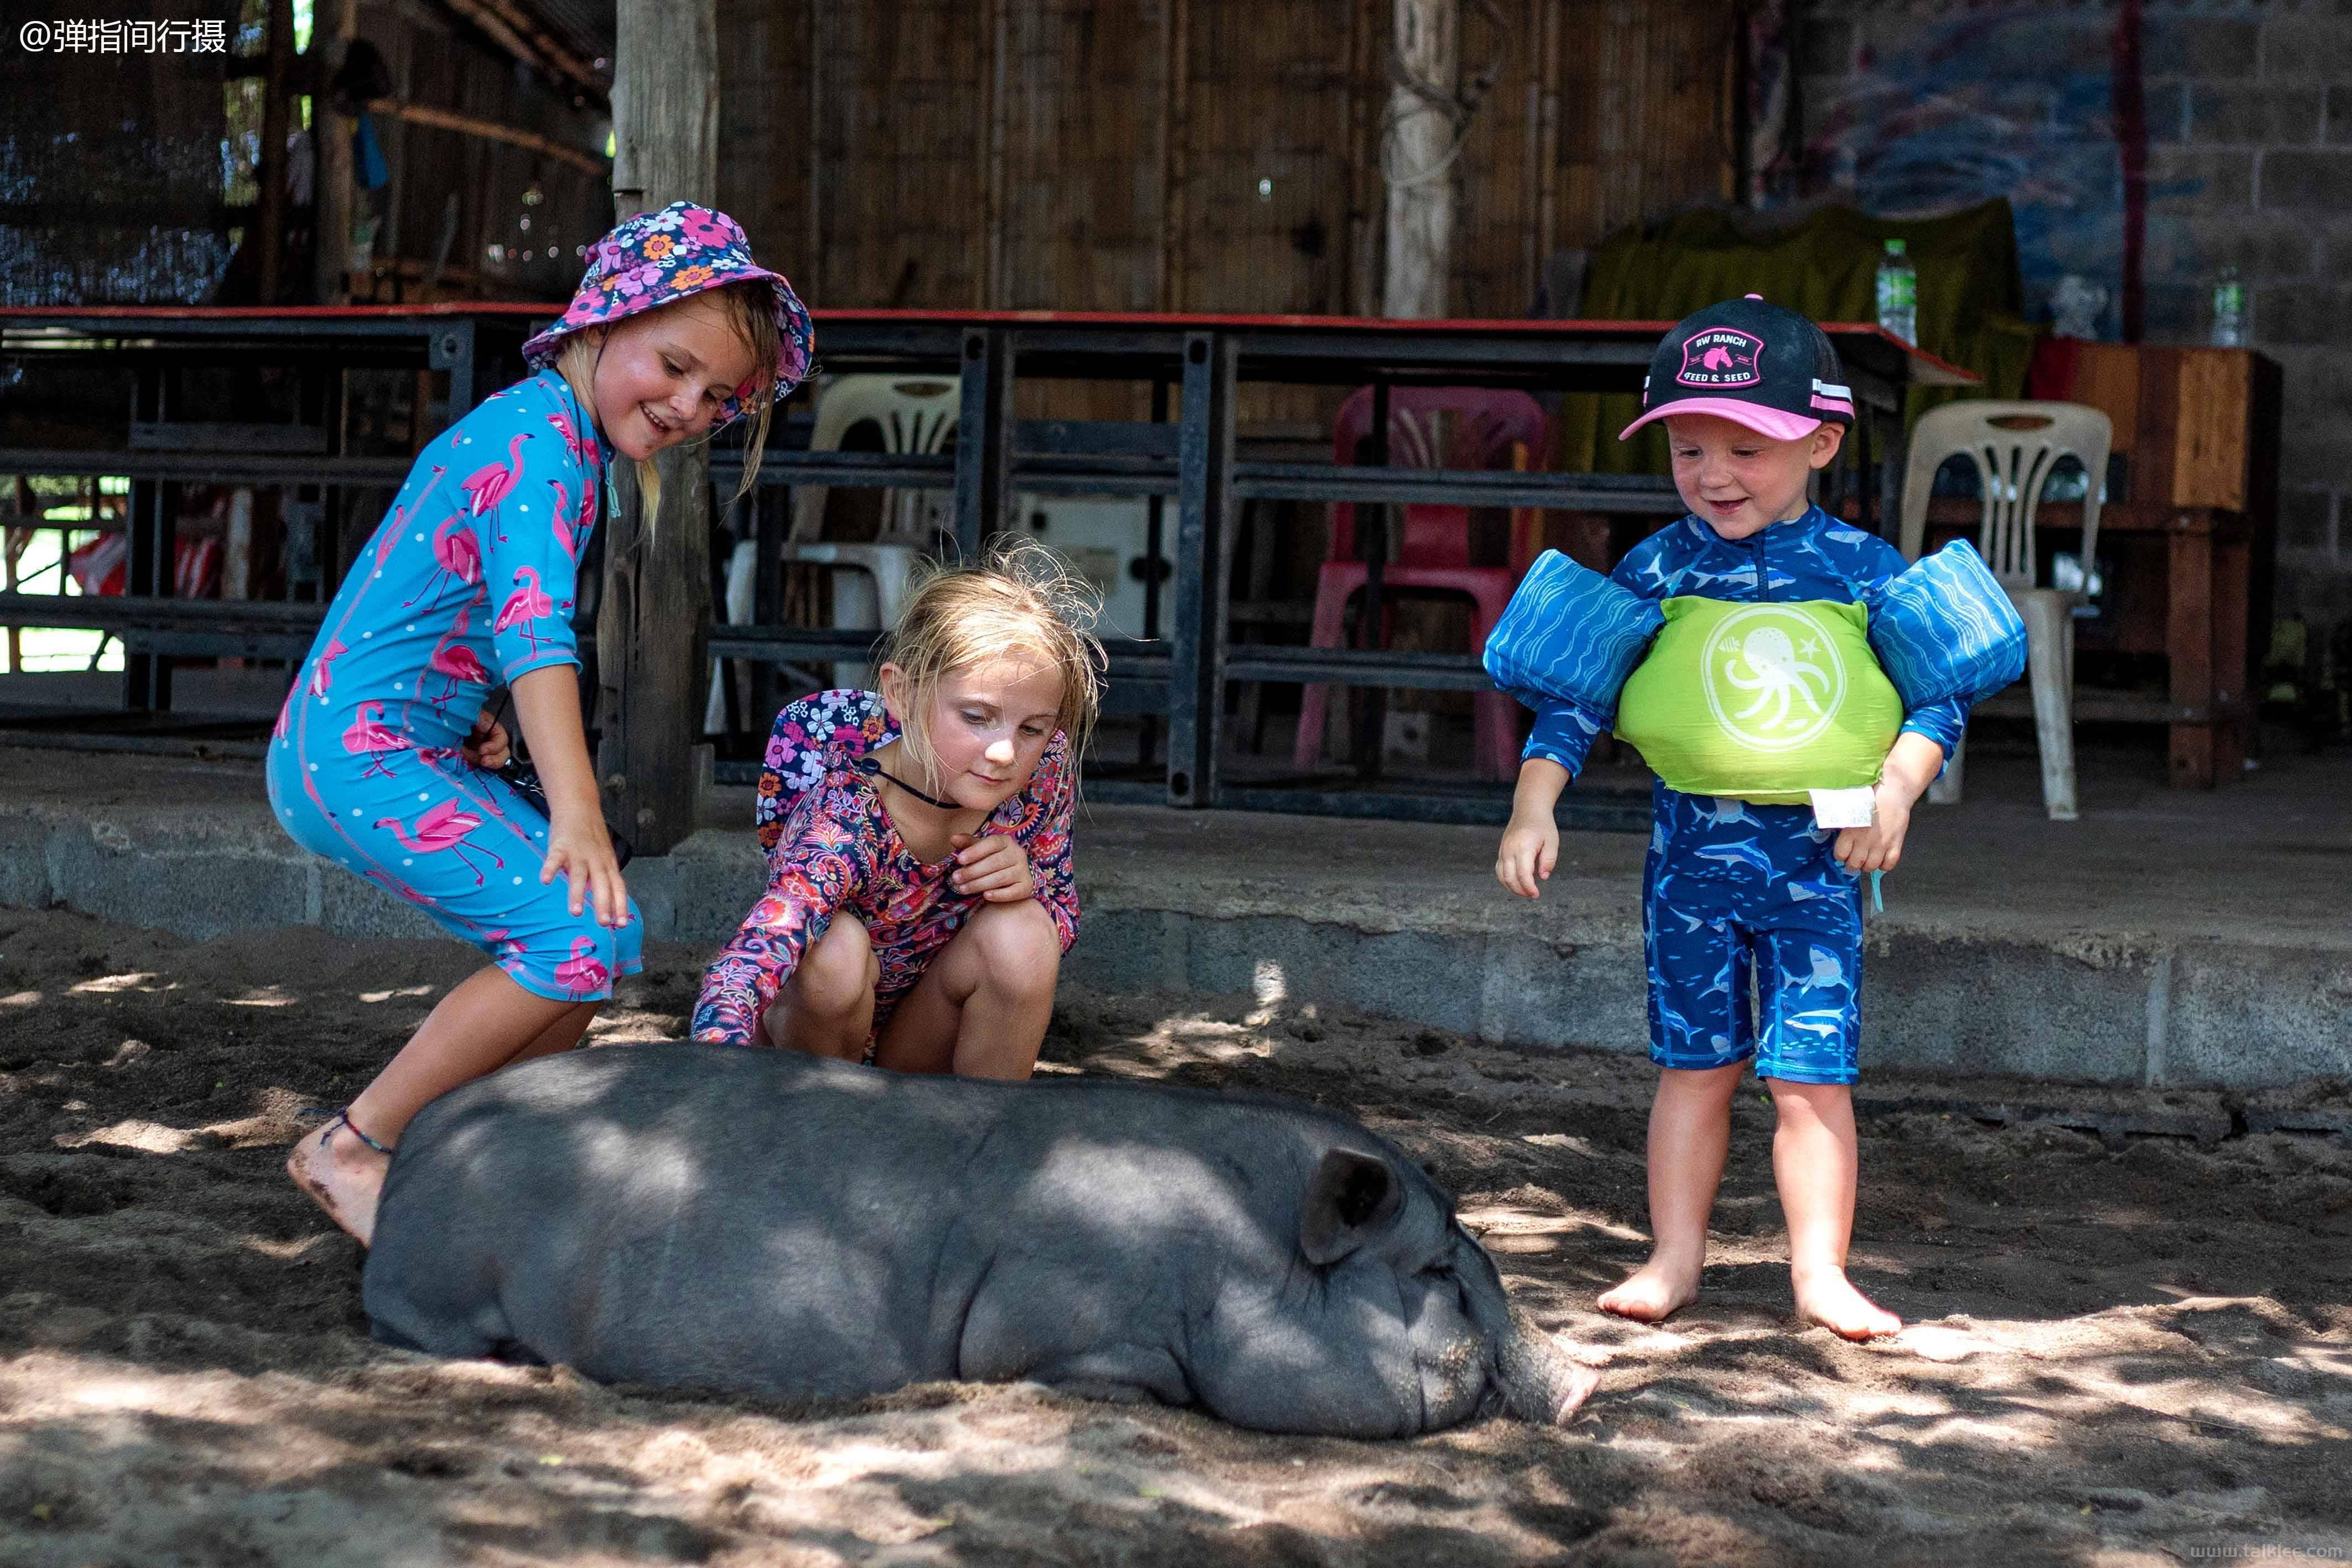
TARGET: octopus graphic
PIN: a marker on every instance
(1781, 675)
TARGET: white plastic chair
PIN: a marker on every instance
(915, 414)
(2014, 446)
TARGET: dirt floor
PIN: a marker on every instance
(2136, 1351)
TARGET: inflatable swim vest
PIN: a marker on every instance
(1761, 702)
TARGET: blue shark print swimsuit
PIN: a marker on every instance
(1734, 893)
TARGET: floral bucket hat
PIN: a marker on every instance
(659, 258)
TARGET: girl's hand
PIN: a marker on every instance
(581, 849)
(1530, 850)
(488, 747)
(993, 867)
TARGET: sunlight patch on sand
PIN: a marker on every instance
(1574, 1146)
(107, 984)
(1937, 1342)
(148, 1138)
(401, 991)
(286, 1251)
(121, 1393)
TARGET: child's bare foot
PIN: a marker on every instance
(1652, 1293)
(1827, 1297)
(342, 1175)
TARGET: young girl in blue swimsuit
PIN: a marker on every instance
(379, 759)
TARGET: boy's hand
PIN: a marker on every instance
(581, 848)
(1531, 843)
(994, 868)
(1879, 846)
(1530, 850)
(488, 747)
(1910, 766)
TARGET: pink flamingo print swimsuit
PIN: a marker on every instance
(832, 846)
(467, 582)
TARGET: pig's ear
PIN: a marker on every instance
(1351, 1196)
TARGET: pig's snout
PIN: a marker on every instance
(1541, 1383)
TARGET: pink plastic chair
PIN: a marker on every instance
(1434, 548)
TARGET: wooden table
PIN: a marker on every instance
(2179, 584)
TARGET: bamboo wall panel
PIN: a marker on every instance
(429, 66)
(1108, 154)
(764, 158)
(1645, 115)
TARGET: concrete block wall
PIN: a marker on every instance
(2249, 105)
(2250, 163)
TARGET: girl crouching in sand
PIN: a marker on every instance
(919, 894)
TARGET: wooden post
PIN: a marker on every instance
(994, 290)
(332, 25)
(1418, 158)
(653, 627)
(277, 106)
(1363, 283)
(1546, 212)
(1175, 140)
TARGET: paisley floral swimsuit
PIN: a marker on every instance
(832, 846)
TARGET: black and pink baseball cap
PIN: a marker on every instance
(1753, 363)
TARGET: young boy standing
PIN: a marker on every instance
(1735, 893)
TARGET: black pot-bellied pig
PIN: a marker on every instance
(776, 1224)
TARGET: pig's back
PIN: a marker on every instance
(675, 1214)
(775, 1223)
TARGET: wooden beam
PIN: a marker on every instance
(276, 114)
(332, 25)
(994, 92)
(1175, 158)
(814, 261)
(653, 627)
(491, 131)
(1418, 158)
(1361, 286)
(516, 30)
(1546, 212)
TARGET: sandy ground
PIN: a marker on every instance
(2132, 1352)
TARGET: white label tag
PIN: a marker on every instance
(1845, 807)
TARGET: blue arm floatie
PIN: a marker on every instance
(1944, 629)
(1569, 634)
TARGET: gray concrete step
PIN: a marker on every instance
(2167, 938)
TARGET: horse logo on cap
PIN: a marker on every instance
(1721, 357)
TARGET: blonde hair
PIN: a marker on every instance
(1020, 598)
(747, 308)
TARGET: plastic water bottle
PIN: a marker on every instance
(2229, 310)
(1898, 293)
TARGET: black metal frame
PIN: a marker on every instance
(152, 343)
(1193, 462)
